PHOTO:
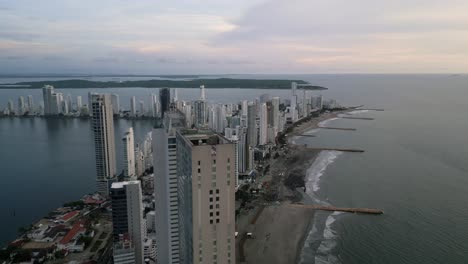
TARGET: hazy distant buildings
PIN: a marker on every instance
(155, 105)
(129, 154)
(115, 104)
(79, 103)
(133, 106)
(30, 105)
(104, 142)
(127, 215)
(53, 104)
(206, 168)
(21, 106)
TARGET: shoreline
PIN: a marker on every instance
(281, 231)
(290, 227)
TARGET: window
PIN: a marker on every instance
(211, 191)
(229, 160)
(199, 170)
(211, 206)
(214, 161)
(217, 191)
(211, 213)
(217, 220)
(217, 213)
(211, 199)
(217, 206)
(211, 221)
(217, 198)
(214, 242)
(199, 163)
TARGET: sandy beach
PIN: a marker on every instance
(279, 235)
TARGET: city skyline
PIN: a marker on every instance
(184, 38)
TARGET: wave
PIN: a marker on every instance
(315, 172)
(325, 252)
(322, 239)
(324, 122)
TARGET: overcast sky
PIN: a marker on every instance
(226, 36)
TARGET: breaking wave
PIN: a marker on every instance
(325, 122)
(320, 244)
(315, 172)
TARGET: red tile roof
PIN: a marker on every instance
(70, 215)
(77, 227)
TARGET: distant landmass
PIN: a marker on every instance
(194, 83)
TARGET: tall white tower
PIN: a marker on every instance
(129, 154)
(104, 141)
(166, 195)
(115, 104)
(133, 106)
(202, 92)
(263, 139)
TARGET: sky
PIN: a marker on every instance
(225, 36)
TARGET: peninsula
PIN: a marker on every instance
(158, 83)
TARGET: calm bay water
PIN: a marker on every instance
(415, 166)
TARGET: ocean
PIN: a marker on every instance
(414, 166)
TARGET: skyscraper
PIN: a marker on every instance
(11, 107)
(205, 165)
(104, 141)
(202, 92)
(176, 96)
(127, 215)
(263, 139)
(154, 105)
(200, 113)
(293, 106)
(21, 106)
(115, 104)
(165, 100)
(30, 106)
(251, 125)
(133, 106)
(79, 103)
(129, 154)
(165, 191)
(47, 92)
(142, 108)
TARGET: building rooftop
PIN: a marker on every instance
(77, 227)
(118, 185)
(200, 137)
(70, 215)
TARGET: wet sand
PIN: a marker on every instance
(279, 235)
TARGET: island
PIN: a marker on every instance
(192, 83)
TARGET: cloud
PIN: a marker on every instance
(222, 36)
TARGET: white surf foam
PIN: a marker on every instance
(356, 112)
(315, 172)
(324, 122)
(325, 252)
